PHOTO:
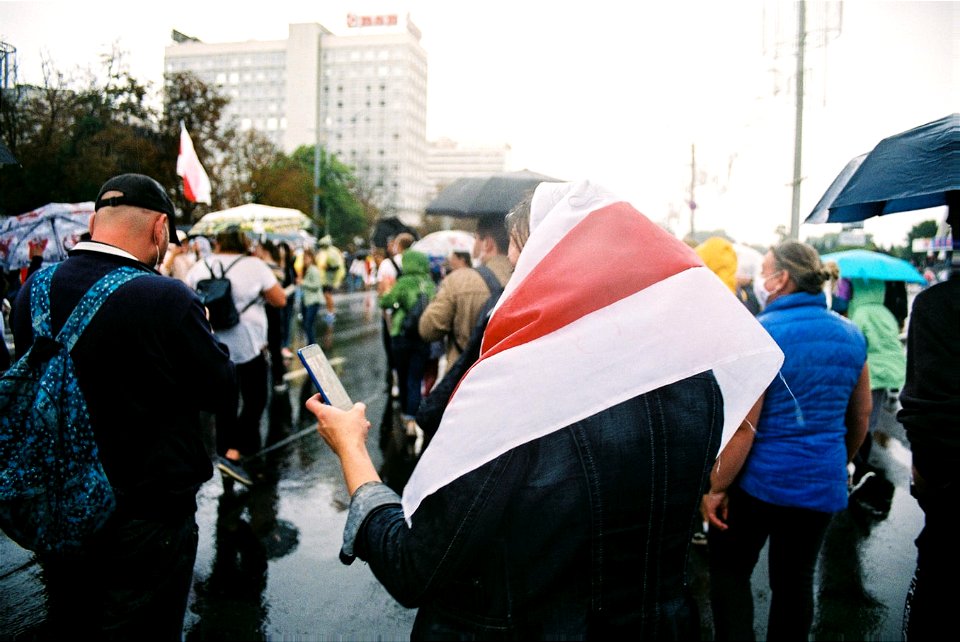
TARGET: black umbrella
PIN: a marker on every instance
(912, 170)
(387, 227)
(476, 196)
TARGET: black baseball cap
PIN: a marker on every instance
(139, 191)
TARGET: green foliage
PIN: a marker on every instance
(339, 213)
(70, 136)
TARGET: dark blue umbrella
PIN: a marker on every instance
(912, 170)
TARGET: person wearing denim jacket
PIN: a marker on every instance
(561, 505)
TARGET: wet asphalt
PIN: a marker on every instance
(268, 569)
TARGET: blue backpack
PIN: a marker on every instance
(54, 492)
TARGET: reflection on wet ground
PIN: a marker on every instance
(268, 567)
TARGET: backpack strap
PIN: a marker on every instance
(40, 301)
(84, 311)
(492, 283)
(395, 267)
(223, 273)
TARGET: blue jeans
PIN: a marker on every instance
(410, 360)
(310, 322)
(796, 535)
(132, 582)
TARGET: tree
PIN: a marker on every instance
(199, 107)
(341, 213)
(69, 139)
(922, 230)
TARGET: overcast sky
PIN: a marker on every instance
(605, 90)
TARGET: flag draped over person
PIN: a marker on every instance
(196, 183)
(603, 306)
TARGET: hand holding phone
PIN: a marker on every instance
(324, 378)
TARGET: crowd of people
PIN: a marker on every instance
(567, 459)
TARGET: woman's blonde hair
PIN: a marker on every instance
(518, 221)
(802, 262)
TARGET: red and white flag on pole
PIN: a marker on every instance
(196, 183)
(603, 305)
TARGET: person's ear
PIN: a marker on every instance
(782, 279)
(158, 227)
(90, 223)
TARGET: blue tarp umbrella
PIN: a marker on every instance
(864, 264)
(912, 170)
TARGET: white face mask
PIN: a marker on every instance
(760, 290)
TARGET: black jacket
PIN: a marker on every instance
(147, 365)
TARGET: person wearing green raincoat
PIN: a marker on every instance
(886, 357)
(410, 354)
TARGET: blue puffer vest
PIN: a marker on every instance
(799, 455)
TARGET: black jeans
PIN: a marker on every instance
(796, 535)
(240, 428)
(131, 584)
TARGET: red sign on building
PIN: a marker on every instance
(389, 20)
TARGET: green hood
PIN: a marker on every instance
(886, 358)
(866, 292)
(415, 262)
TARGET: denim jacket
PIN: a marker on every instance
(581, 533)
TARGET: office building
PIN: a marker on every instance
(361, 95)
(448, 160)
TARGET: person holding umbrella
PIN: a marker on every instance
(887, 363)
(930, 405)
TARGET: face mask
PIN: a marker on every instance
(760, 291)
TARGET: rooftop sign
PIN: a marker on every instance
(389, 20)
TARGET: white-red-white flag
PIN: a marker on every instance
(196, 183)
(603, 305)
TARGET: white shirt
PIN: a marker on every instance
(249, 278)
(386, 271)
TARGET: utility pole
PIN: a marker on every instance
(318, 75)
(693, 185)
(798, 127)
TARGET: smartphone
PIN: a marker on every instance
(324, 378)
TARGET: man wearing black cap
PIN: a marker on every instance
(147, 364)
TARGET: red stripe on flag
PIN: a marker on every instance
(613, 252)
(187, 189)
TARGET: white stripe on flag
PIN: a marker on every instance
(611, 355)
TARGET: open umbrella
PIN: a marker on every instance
(442, 243)
(252, 217)
(387, 227)
(483, 195)
(864, 264)
(912, 170)
(55, 226)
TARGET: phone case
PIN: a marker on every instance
(324, 378)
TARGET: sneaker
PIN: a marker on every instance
(234, 470)
(700, 539)
(281, 387)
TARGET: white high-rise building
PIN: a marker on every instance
(448, 160)
(362, 96)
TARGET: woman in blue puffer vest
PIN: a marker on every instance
(784, 473)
